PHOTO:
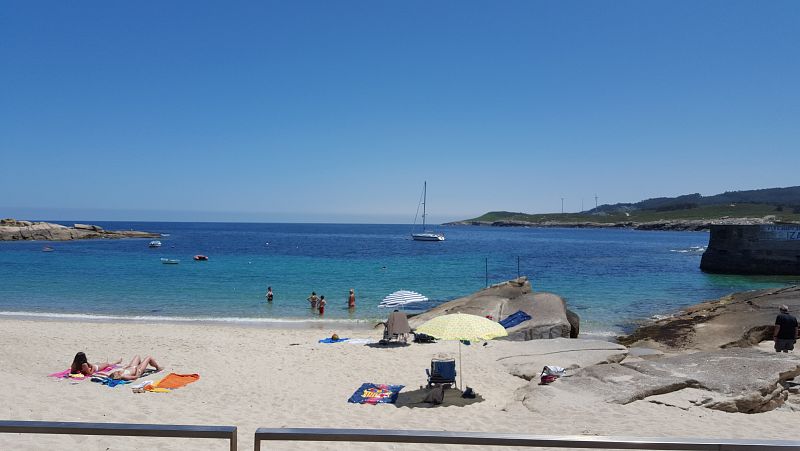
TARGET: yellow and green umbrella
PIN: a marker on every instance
(462, 326)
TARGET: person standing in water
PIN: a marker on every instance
(321, 305)
(313, 300)
(269, 294)
(351, 301)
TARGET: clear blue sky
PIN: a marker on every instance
(337, 111)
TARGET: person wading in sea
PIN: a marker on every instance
(313, 300)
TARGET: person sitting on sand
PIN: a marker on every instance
(81, 365)
(135, 369)
(313, 300)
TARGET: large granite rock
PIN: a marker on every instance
(13, 230)
(737, 320)
(548, 312)
(526, 359)
(731, 380)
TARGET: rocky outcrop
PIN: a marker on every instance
(13, 230)
(526, 359)
(731, 380)
(737, 320)
(548, 312)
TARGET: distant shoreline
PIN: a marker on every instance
(687, 225)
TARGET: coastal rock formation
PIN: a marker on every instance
(737, 320)
(548, 311)
(731, 380)
(13, 230)
(526, 359)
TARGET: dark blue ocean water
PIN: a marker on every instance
(611, 278)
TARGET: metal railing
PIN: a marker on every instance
(121, 429)
(489, 439)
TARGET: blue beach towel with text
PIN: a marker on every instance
(515, 319)
(376, 393)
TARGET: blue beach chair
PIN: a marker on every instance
(442, 372)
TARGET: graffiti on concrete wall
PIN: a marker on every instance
(779, 232)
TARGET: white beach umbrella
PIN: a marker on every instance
(400, 298)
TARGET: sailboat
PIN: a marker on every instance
(425, 235)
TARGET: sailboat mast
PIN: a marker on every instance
(424, 201)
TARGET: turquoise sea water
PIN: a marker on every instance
(611, 278)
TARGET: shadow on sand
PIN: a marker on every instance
(391, 344)
(452, 397)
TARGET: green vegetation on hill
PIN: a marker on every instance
(782, 203)
(707, 212)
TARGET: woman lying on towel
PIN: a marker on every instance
(81, 365)
(135, 369)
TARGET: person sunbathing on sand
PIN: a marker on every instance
(81, 365)
(135, 369)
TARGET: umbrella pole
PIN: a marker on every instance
(460, 373)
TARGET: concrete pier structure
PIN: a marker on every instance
(772, 249)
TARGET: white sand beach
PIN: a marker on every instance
(260, 377)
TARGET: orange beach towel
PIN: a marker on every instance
(172, 381)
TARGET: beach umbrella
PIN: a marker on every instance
(400, 298)
(461, 326)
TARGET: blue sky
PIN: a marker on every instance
(337, 111)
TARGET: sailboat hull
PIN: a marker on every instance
(427, 237)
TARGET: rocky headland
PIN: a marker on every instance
(675, 224)
(14, 230)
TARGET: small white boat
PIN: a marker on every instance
(425, 235)
(155, 243)
(170, 261)
(47, 249)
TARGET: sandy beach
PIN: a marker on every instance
(259, 377)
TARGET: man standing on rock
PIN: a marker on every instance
(786, 331)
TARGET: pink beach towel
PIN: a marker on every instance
(66, 374)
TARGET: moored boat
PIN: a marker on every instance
(155, 243)
(201, 258)
(170, 261)
(425, 235)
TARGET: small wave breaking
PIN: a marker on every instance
(183, 319)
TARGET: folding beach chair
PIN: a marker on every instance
(395, 328)
(442, 372)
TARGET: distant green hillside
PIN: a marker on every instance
(778, 197)
(783, 203)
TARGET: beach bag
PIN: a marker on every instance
(550, 373)
(553, 370)
(423, 338)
